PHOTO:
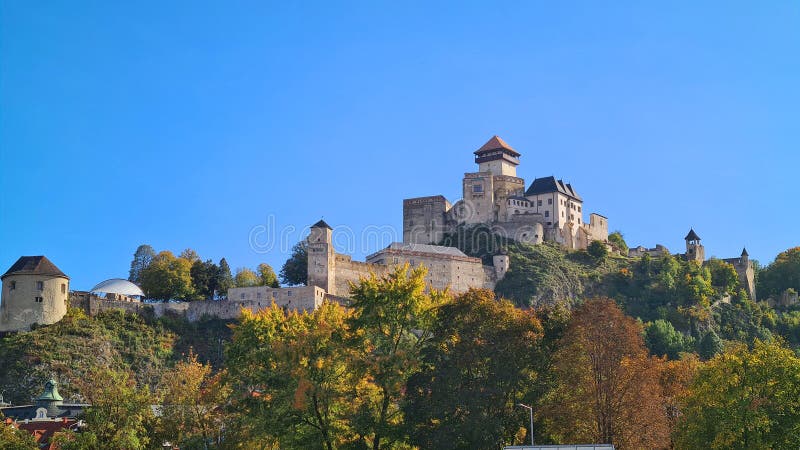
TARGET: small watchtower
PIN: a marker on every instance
(694, 249)
(321, 257)
(35, 291)
(497, 157)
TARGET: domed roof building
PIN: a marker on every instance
(117, 287)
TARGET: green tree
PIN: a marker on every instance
(168, 278)
(267, 276)
(295, 269)
(723, 276)
(141, 259)
(744, 399)
(119, 416)
(478, 365)
(663, 340)
(245, 278)
(782, 274)
(224, 279)
(391, 323)
(597, 249)
(618, 241)
(710, 345)
(204, 278)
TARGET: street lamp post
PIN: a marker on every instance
(531, 411)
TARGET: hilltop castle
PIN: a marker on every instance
(549, 210)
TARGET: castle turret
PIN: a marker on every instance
(35, 291)
(694, 249)
(497, 157)
(745, 256)
(321, 257)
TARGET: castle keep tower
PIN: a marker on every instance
(486, 192)
(694, 249)
(321, 257)
(34, 292)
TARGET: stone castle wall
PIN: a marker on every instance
(301, 298)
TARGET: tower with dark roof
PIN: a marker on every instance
(321, 257)
(694, 249)
(35, 291)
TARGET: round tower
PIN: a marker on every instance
(35, 291)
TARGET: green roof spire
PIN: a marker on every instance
(50, 393)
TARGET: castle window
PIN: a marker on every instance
(40, 285)
(549, 201)
(38, 299)
(477, 188)
(579, 220)
(579, 209)
(12, 285)
(63, 288)
(258, 295)
(538, 203)
(242, 296)
(547, 213)
(288, 293)
(549, 223)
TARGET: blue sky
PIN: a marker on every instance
(198, 124)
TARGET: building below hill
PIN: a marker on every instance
(48, 415)
(548, 210)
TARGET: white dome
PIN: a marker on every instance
(118, 286)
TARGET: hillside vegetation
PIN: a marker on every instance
(69, 349)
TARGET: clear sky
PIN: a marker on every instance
(221, 125)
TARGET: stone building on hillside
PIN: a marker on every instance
(549, 210)
(35, 292)
(330, 273)
(695, 251)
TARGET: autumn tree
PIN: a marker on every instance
(189, 255)
(245, 278)
(119, 415)
(478, 364)
(295, 369)
(675, 378)
(168, 278)
(192, 405)
(392, 320)
(141, 259)
(12, 438)
(295, 269)
(606, 387)
(744, 399)
(266, 276)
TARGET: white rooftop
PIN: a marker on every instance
(118, 286)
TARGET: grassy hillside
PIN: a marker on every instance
(70, 347)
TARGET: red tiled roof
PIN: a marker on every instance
(495, 143)
(43, 430)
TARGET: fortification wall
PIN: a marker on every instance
(300, 298)
(347, 271)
